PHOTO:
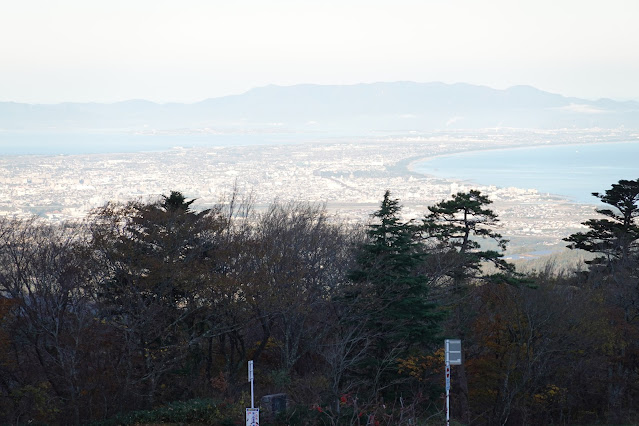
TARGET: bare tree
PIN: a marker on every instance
(45, 273)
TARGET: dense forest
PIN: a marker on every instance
(148, 312)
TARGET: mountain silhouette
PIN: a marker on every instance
(397, 106)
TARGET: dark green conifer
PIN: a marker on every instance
(614, 238)
(454, 228)
(387, 271)
(389, 296)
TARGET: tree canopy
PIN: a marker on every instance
(456, 228)
(149, 310)
(616, 236)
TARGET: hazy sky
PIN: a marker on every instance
(188, 50)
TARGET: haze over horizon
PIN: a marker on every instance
(331, 86)
(169, 51)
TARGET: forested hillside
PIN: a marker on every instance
(148, 311)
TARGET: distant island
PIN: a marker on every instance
(390, 106)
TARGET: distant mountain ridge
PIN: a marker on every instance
(361, 107)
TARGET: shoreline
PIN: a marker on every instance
(514, 147)
(411, 166)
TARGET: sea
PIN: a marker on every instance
(570, 171)
(105, 142)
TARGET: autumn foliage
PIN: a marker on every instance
(150, 310)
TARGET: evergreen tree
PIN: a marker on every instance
(387, 268)
(616, 237)
(391, 296)
(614, 273)
(158, 261)
(454, 227)
(453, 230)
(176, 201)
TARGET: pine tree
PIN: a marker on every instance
(454, 228)
(616, 237)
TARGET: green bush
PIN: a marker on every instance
(204, 411)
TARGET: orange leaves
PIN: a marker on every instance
(220, 383)
(419, 366)
(549, 396)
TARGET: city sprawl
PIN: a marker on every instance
(348, 176)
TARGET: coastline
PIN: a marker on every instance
(501, 148)
(413, 166)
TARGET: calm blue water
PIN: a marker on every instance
(573, 171)
(33, 143)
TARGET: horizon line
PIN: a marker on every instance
(133, 99)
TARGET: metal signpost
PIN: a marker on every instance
(453, 357)
(252, 414)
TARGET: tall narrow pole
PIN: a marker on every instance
(250, 377)
(447, 394)
(447, 359)
(453, 355)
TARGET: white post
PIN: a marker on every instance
(447, 393)
(250, 377)
(447, 360)
(453, 356)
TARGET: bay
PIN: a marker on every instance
(52, 143)
(571, 171)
